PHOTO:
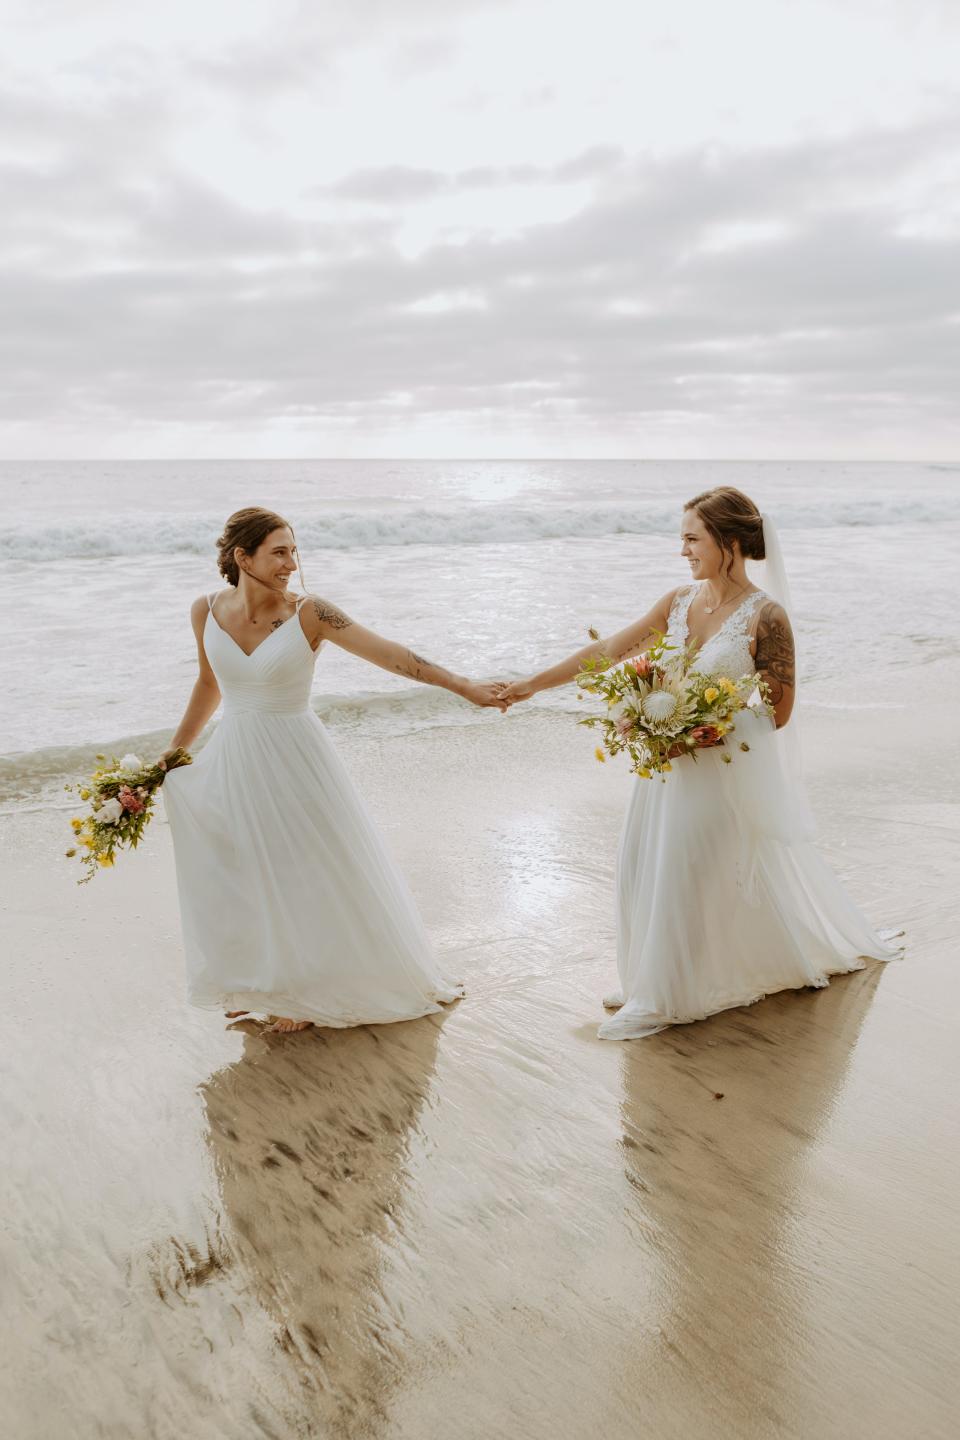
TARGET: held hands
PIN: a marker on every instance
(497, 693)
(484, 693)
(519, 690)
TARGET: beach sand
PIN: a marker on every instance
(487, 1223)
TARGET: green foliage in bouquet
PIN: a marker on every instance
(121, 795)
(659, 706)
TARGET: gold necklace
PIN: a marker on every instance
(711, 608)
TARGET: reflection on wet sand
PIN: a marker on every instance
(501, 1226)
(309, 1137)
(716, 1189)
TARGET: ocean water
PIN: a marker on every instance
(488, 567)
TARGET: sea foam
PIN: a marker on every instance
(106, 535)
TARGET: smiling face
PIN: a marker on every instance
(273, 561)
(699, 549)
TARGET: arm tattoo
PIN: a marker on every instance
(414, 665)
(775, 655)
(330, 615)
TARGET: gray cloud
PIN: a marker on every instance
(598, 160)
(388, 185)
(405, 184)
(302, 54)
(133, 294)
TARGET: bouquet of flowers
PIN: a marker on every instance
(121, 796)
(659, 706)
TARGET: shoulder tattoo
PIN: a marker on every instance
(775, 658)
(329, 615)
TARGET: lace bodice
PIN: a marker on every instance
(728, 651)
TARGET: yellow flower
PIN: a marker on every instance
(723, 728)
(89, 841)
(711, 694)
(644, 773)
(666, 766)
(105, 860)
(76, 823)
(600, 755)
(727, 685)
(84, 794)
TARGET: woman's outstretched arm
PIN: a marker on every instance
(323, 621)
(632, 640)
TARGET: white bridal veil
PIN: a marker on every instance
(767, 787)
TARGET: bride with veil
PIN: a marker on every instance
(721, 896)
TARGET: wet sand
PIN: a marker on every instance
(490, 1222)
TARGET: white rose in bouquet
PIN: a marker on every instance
(121, 795)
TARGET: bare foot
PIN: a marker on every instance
(283, 1026)
(235, 1014)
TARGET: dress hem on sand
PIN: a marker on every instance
(645, 1023)
(261, 1003)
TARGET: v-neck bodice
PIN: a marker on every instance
(727, 651)
(275, 677)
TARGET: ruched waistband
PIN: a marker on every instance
(261, 703)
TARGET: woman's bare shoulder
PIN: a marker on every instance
(665, 604)
(769, 612)
(325, 613)
(773, 622)
(199, 610)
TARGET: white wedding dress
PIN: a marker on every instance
(721, 898)
(289, 902)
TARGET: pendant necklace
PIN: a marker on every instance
(711, 608)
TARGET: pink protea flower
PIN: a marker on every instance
(705, 735)
(130, 801)
(642, 666)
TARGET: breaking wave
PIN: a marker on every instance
(97, 537)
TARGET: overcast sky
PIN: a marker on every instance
(480, 227)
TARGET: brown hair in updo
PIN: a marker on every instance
(249, 528)
(729, 515)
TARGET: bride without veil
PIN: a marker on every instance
(291, 905)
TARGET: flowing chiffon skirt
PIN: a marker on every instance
(290, 903)
(720, 897)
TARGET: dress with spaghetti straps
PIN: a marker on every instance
(289, 901)
(720, 899)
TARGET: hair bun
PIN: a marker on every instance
(758, 549)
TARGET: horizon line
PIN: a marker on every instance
(484, 459)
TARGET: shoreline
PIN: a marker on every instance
(33, 779)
